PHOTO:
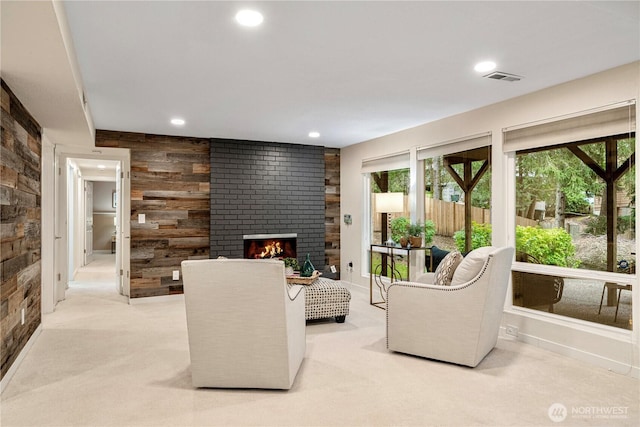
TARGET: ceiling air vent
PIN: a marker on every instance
(505, 77)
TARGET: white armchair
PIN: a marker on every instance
(246, 327)
(457, 323)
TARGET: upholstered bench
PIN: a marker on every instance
(326, 298)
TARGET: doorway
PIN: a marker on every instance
(92, 219)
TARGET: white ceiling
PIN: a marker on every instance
(38, 64)
(352, 71)
(97, 169)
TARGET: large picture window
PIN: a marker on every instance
(575, 208)
(575, 204)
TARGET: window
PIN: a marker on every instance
(575, 208)
(458, 200)
(394, 183)
(565, 215)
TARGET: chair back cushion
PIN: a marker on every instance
(471, 265)
(239, 327)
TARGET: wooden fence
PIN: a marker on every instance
(449, 216)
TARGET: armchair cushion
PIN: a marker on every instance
(444, 272)
(471, 265)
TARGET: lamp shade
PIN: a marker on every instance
(389, 202)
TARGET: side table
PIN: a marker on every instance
(376, 276)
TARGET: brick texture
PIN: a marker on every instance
(267, 187)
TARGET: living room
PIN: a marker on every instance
(610, 354)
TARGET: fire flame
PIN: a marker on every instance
(271, 250)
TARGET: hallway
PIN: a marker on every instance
(96, 280)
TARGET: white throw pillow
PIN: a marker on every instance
(471, 265)
(444, 272)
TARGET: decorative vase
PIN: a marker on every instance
(307, 268)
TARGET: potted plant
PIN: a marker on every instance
(399, 232)
(290, 265)
(417, 230)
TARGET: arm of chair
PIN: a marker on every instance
(426, 278)
(421, 317)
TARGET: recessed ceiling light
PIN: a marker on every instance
(102, 167)
(485, 66)
(314, 134)
(177, 122)
(249, 18)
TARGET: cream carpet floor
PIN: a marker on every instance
(101, 362)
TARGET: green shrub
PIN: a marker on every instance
(429, 231)
(480, 236)
(399, 227)
(550, 246)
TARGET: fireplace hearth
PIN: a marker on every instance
(270, 246)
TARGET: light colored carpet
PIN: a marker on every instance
(102, 362)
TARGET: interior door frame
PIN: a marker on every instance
(88, 220)
(123, 239)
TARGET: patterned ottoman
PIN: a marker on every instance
(327, 298)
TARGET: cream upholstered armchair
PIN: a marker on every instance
(457, 323)
(246, 327)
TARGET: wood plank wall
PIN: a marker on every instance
(332, 208)
(20, 213)
(170, 185)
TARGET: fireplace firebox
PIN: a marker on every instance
(265, 246)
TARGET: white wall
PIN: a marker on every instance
(102, 191)
(616, 350)
(75, 219)
(48, 237)
(103, 215)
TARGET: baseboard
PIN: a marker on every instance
(160, 298)
(16, 364)
(622, 368)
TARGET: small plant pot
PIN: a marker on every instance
(404, 242)
(416, 242)
(288, 271)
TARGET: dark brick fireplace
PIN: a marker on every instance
(267, 188)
